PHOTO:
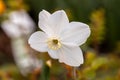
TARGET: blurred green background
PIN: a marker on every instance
(101, 52)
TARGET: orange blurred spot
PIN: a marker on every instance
(2, 7)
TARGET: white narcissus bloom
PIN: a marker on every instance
(19, 23)
(60, 38)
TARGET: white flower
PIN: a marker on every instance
(19, 23)
(60, 38)
(25, 60)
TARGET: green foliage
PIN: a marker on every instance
(45, 74)
(100, 68)
(97, 26)
(10, 71)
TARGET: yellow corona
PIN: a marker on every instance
(54, 43)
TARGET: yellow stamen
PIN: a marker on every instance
(54, 43)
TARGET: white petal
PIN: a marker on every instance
(22, 19)
(53, 53)
(71, 56)
(11, 29)
(44, 15)
(44, 23)
(15, 17)
(58, 21)
(38, 41)
(27, 23)
(76, 33)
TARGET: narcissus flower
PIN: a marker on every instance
(60, 38)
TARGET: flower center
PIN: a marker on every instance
(54, 43)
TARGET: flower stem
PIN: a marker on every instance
(74, 73)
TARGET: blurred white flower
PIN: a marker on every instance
(25, 60)
(19, 23)
(60, 38)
